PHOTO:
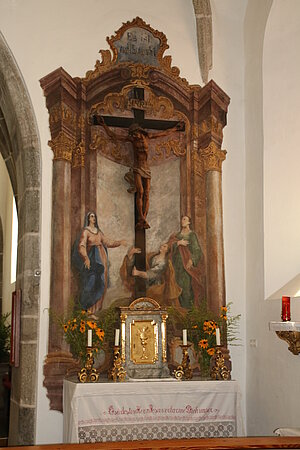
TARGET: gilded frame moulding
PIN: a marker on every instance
(109, 58)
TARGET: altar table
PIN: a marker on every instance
(147, 410)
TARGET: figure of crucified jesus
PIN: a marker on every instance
(139, 139)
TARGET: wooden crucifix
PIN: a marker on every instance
(139, 138)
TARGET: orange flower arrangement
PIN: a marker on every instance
(75, 334)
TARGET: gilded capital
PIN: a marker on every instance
(212, 157)
(62, 147)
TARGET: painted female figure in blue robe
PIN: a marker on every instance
(91, 259)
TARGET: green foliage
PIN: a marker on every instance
(201, 324)
(75, 325)
(4, 337)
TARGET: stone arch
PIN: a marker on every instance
(203, 16)
(1, 265)
(20, 148)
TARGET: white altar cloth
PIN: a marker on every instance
(99, 412)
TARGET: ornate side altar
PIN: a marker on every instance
(151, 410)
(139, 150)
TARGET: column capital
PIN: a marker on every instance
(212, 157)
(62, 147)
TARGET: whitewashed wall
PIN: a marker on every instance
(272, 36)
(46, 35)
(281, 145)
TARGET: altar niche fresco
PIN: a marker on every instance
(137, 186)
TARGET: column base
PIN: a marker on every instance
(57, 366)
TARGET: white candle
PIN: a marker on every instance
(218, 337)
(184, 337)
(90, 338)
(117, 337)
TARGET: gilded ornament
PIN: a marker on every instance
(138, 70)
(198, 164)
(110, 149)
(117, 372)
(212, 157)
(166, 150)
(292, 338)
(62, 112)
(184, 371)
(78, 155)
(220, 368)
(100, 67)
(123, 101)
(88, 373)
(62, 147)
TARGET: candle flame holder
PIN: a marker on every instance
(117, 373)
(220, 364)
(88, 374)
(184, 370)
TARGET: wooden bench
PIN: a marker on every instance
(180, 444)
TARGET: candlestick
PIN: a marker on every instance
(90, 338)
(117, 337)
(184, 337)
(218, 337)
(285, 310)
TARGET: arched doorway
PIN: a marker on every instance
(20, 148)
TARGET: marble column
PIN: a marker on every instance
(59, 359)
(213, 158)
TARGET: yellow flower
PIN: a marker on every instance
(82, 329)
(83, 311)
(66, 328)
(195, 326)
(73, 326)
(210, 351)
(100, 333)
(82, 323)
(224, 317)
(203, 343)
(91, 324)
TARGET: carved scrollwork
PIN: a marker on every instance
(140, 67)
(62, 147)
(139, 71)
(62, 113)
(211, 124)
(110, 149)
(165, 150)
(100, 67)
(198, 164)
(212, 157)
(156, 106)
(292, 338)
(78, 155)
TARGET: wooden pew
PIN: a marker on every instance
(179, 444)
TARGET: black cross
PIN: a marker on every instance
(137, 98)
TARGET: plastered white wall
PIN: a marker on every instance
(273, 390)
(69, 33)
(228, 72)
(281, 72)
